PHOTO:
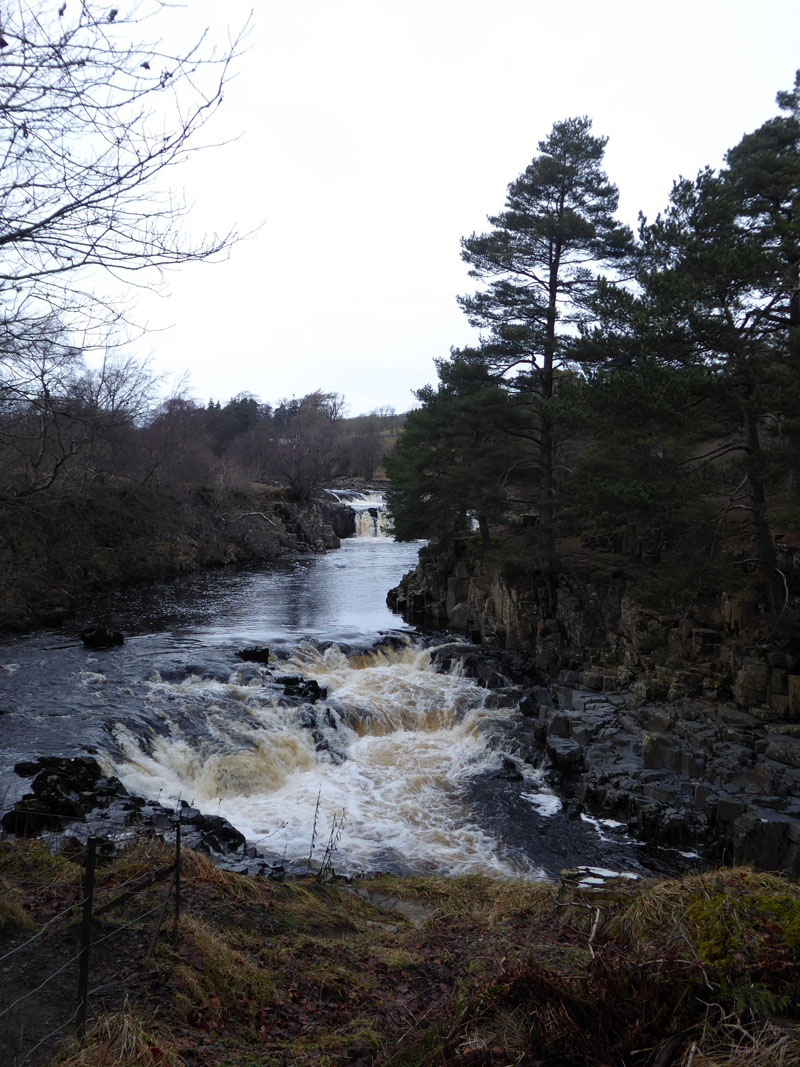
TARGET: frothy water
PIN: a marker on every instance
(390, 752)
(417, 767)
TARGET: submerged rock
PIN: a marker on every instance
(102, 637)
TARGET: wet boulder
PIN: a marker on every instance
(101, 637)
(63, 790)
(70, 792)
(78, 774)
(567, 755)
(490, 668)
(210, 833)
(256, 654)
(305, 689)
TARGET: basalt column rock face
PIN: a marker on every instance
(585, 621)
(557, 623)
(684, 773)
(686, 728)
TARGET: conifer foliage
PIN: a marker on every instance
(539, 268)
(658, 376)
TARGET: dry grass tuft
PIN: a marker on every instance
(32, 865)
(659, 905)
(211, 970)
(146, 849)
(120, 1039)
(13, 914)
(732, 1043)
(465, 897)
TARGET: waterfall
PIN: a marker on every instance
(372, 519)
(430, 771)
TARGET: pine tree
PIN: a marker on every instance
(718, 306)
(540, 266)
(456, 455)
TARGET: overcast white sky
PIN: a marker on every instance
(375, 134)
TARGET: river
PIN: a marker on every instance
(400, 767)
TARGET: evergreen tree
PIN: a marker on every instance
(763, 177)
(540, 265)
(716, 312)
(456, 455)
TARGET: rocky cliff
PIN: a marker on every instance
(685, 727)
(586, 622)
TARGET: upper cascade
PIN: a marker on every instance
(372, 518)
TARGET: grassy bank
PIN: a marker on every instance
(408, 971)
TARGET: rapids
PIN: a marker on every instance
(399, 767)
(389, 753)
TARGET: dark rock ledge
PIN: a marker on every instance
(690, 773)
(73, 799)
(696, 774)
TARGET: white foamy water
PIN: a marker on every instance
(410, 738)
(371, 517)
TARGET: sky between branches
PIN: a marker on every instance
(375, 134)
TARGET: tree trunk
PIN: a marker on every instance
(547, 511)
(766, 553)
(483, 526)
(793, 435)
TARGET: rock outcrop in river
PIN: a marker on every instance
(686, 728)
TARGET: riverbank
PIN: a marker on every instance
(65, 555)
(686, 728)
(465, 972)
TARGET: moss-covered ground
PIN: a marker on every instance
(701, 971)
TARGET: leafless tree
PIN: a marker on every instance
(93, 112)
(308, 451)
(61, 423)
(36, 375)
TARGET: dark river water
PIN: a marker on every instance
(412, 763)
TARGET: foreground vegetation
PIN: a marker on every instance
(703, 970)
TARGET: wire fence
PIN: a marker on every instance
(94, 900)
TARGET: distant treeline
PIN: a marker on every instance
(65, 429)
(100, 485)
(301, 444)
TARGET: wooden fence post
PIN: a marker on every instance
(86, 935)
(177, 874)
